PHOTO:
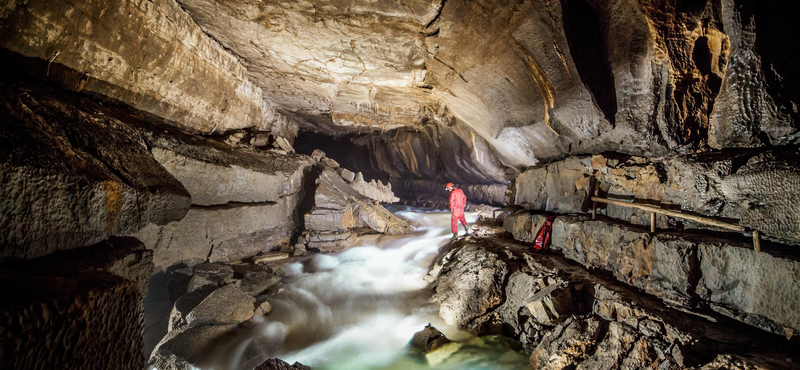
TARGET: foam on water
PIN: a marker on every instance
(353, 310)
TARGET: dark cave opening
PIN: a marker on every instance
(583, 31)
(344, 150)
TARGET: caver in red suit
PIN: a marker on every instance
(457, 202)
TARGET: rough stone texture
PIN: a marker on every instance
(216, 174)
(185, 348)
(148, 54)
(185, 304)
(469, 285)
(339, 210)
(567, 317)
(75, 174)
(428, 339)
(569, 343)
(523, 226)
(624, 251)
(755, 288)
(75, 309)
(278, 364)
(559, 187)
(758, 288)
(226, 305)
(374, 190)
(221, 233)
(755, 107)
(757, 190)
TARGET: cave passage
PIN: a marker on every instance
(266, 185)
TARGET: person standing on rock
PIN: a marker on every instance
(457, 202)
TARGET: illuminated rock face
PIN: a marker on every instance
(532, 80)
(148, 54)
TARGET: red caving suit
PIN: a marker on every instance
(457, 202)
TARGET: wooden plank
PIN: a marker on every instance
(652, 222)
(654, 209)
(757, 241)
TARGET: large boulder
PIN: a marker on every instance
(339, 211)
(73, 175)
(469, 285)
(222, 233)
(214, 173)
(226, 305)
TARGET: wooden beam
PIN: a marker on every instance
(654, 209)
(652, 222)
(757, 241)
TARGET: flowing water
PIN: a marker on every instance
(358, 309)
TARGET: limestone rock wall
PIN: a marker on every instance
(685, 270)
(76, 309)
(509, 84)
(148, 54)
(753, 189)
(74, 174)
(244, 202)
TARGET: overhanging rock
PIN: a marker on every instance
(80, 176)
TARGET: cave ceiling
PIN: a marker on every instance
(532, 80)
(345, 66)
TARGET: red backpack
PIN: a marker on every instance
(543, 235)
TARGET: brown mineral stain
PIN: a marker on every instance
(113, 204)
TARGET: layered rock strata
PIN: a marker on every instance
(685, 270)
(76, 309)
(754, 189)
(411, 189)
(243, 202)
(148, 54)
(74, 175)
(566, 317)
(340, 213)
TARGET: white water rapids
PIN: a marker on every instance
(358, 309)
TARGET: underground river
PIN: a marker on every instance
(358, 309)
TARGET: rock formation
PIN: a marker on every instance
(198, 128)
(565, 316)
(340, 212)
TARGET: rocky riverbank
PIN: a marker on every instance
(567, 316)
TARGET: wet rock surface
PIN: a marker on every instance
(277, 364)
(428, 339)
(567, 317)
